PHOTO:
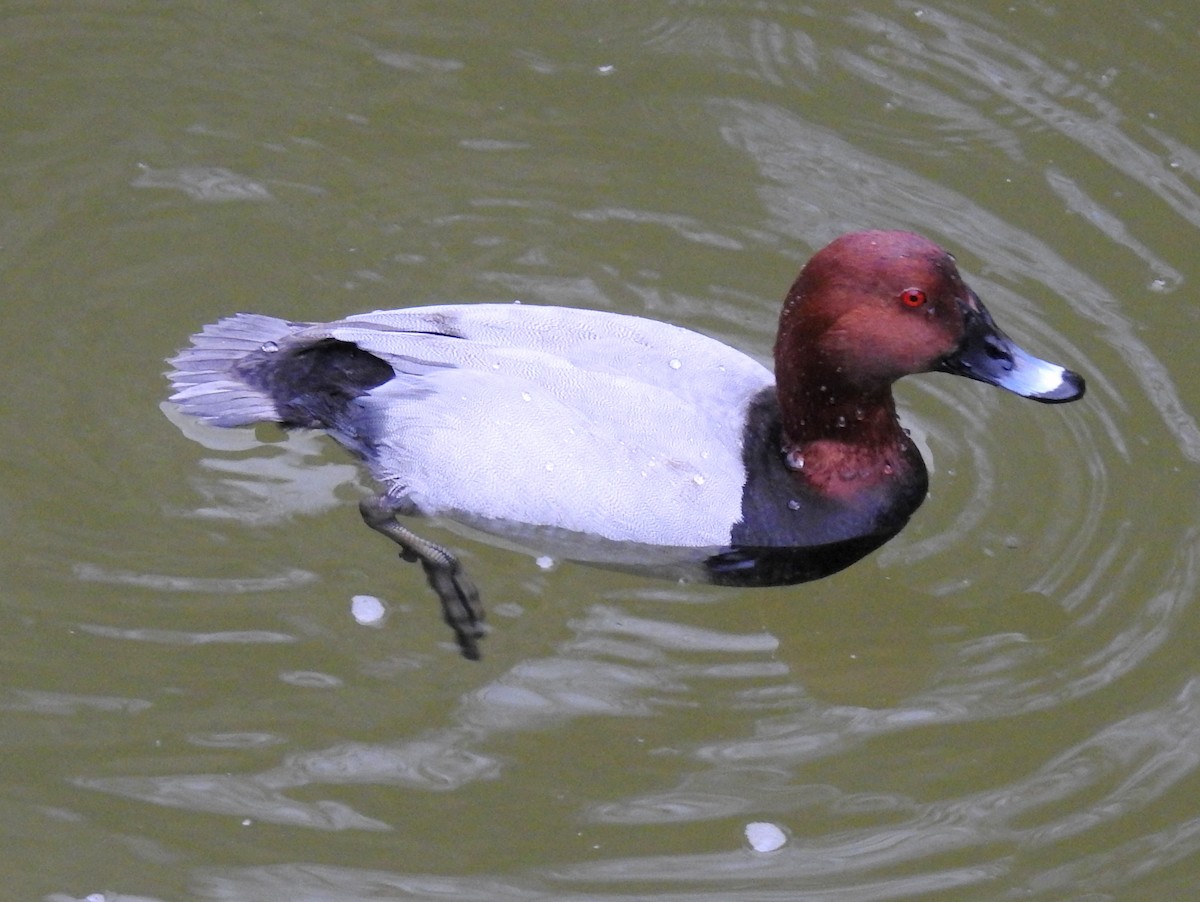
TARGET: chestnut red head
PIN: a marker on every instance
(874, 306)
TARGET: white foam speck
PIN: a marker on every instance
(764, 837)
(367, 610)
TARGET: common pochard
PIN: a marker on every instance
(624, 441)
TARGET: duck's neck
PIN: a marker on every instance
(840, 440)
(839, 434)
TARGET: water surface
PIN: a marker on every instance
(1001, 703)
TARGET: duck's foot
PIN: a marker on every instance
(461, 608)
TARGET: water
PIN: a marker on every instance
(1001, 703)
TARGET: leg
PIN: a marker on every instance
(461, 608)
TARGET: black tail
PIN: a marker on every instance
(250, 368)
(206, 381)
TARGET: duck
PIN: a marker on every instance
(625, 441)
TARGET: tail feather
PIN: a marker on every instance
(205, 376)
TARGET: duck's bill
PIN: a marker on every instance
(990, 356)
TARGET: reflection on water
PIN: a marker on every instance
(619, 666)
(1001, 703)
(204, 183)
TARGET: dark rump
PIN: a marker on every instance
(311, 385)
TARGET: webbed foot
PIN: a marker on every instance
(461, 607)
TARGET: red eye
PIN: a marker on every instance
(912, 297)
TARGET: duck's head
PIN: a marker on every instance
(872, 307)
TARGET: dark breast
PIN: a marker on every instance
(790, 533)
